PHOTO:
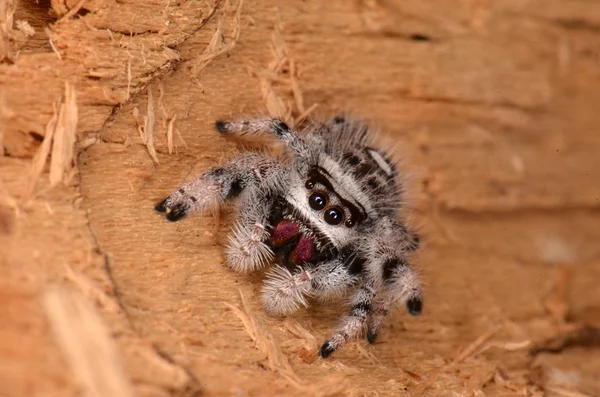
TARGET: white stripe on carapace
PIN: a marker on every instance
(381, 161)
(345, 185)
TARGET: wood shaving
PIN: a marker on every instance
(508, 346)
(559, 391)
(147, 130)
(281, 74)
(479, 342)
(63, 147)
(128, 94)
(217, 45)
(39, 160)
(556, 303)
(170, 133)
(91, 291)
(367, 354)
(25, 28)
(165, 373)
(72, 11)
(265, 342)
(51, 35)
(86, 343)
(7, 12)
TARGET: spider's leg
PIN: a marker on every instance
(388, 278)
(276, 127)
(217, 185)
(246, 250)
(354, 322)
(400, 282)
(284, 292)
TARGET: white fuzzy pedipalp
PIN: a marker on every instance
(246, 250)
(283, 292)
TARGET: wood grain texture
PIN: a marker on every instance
(492, 106)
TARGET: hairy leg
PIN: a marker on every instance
(217, 185)
(354, 322)
(401, 283)
(275, 127)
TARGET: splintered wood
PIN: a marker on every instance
(7, 12)
(147, 133)
(555, 302)
(265, 342)
(39, 160)
(218, 45)
(168, 121)
(63, 148)
(442, 79)
(86, 343)
(477, 344)
(59, 141)
(146, 126)
(282, 72)
(276, 359)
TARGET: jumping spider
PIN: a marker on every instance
(329, 216)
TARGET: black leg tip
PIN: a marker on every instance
(326, 350)
(177, 212)
(371, 336)
(414, 306)
(221, 127)
(162, 206)
(339, 120)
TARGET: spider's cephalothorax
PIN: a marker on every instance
(329, 217)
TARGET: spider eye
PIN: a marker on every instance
(350, 223)
(309, 184)
(317, 201)
(334, 216)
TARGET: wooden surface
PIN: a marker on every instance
(491, 105)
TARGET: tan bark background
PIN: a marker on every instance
(106, 106)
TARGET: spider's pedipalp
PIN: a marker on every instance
(284, 292)
(247, 250)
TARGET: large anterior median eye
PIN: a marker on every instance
(334, 216)
(317, 201)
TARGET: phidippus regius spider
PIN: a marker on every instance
(329, 216)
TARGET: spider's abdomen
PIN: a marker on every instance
(291, 245)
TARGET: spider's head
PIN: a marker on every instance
(352, 188)
(344, 184)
